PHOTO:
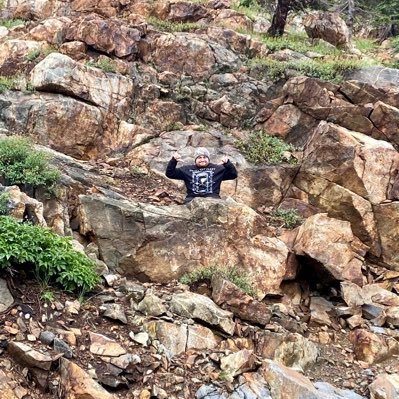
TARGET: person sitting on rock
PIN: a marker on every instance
(202, 179)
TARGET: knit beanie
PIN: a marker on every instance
(201, 151)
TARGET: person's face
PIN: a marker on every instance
(202, 161)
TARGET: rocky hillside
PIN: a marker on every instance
(112, 89)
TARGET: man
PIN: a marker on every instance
(204, 178)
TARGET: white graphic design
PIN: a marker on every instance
(202, 181)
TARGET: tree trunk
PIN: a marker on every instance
(351, 10)
(279, 18)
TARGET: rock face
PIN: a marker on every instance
(123, 230)
(343, 258)
(79, 384)
(327, 26)
(62, 74)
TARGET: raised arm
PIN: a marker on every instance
(230, 170)
(171, 171)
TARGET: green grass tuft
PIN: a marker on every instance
(261, 148)
(233, 274)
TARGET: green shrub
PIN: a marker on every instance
(22, 165)
(262, 148)
(11, 23)
(104, 64)
(51, 257)
(4, 199)
(168, 26)
(233, 274)
(290, 218)
(395, 44)
(7, 83)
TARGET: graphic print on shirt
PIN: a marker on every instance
(202, 181)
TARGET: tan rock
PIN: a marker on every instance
(51, 30)
(386, 120)
(341, 203)
(232, 19)
(385, 386)
(262, 258)
(6, 299)
(289, 122)
(106, 8)
(352, 160)
(15, 53)
(237, 363)
(319, 311)
(180, 11)
(372, 348)
(89, 84)
(57, 121)
(230, 297)
(179, 338)
(288, 349)
(286, 383)
(387, 216)
(327, 26)
(76, 50)
(38, 9)
(104, 346)
(190, 55)
(199, 307)
(28, 356)
(342, 258)
(111, 36)
(7, 388)
(79, 385)
(22, 203)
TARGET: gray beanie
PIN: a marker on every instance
(201, 151)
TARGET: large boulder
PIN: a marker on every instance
(322, 101)
(27, 9)
(327, 26)
(111, 36)
(380, 77)
(387, 217)
(189, 54)
(161, 243)
(342, 258)
(180, 11)
(63, 123)
(352, 160)
(51, 30)
(386, 120)
(60, 73)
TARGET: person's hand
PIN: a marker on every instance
(225, 159)
(177, 156)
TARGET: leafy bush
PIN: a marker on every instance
(20, 164)
(290, 218)
(49, 256)
(4, 198)
(233, 274)
(262, 148)
(168, 26)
